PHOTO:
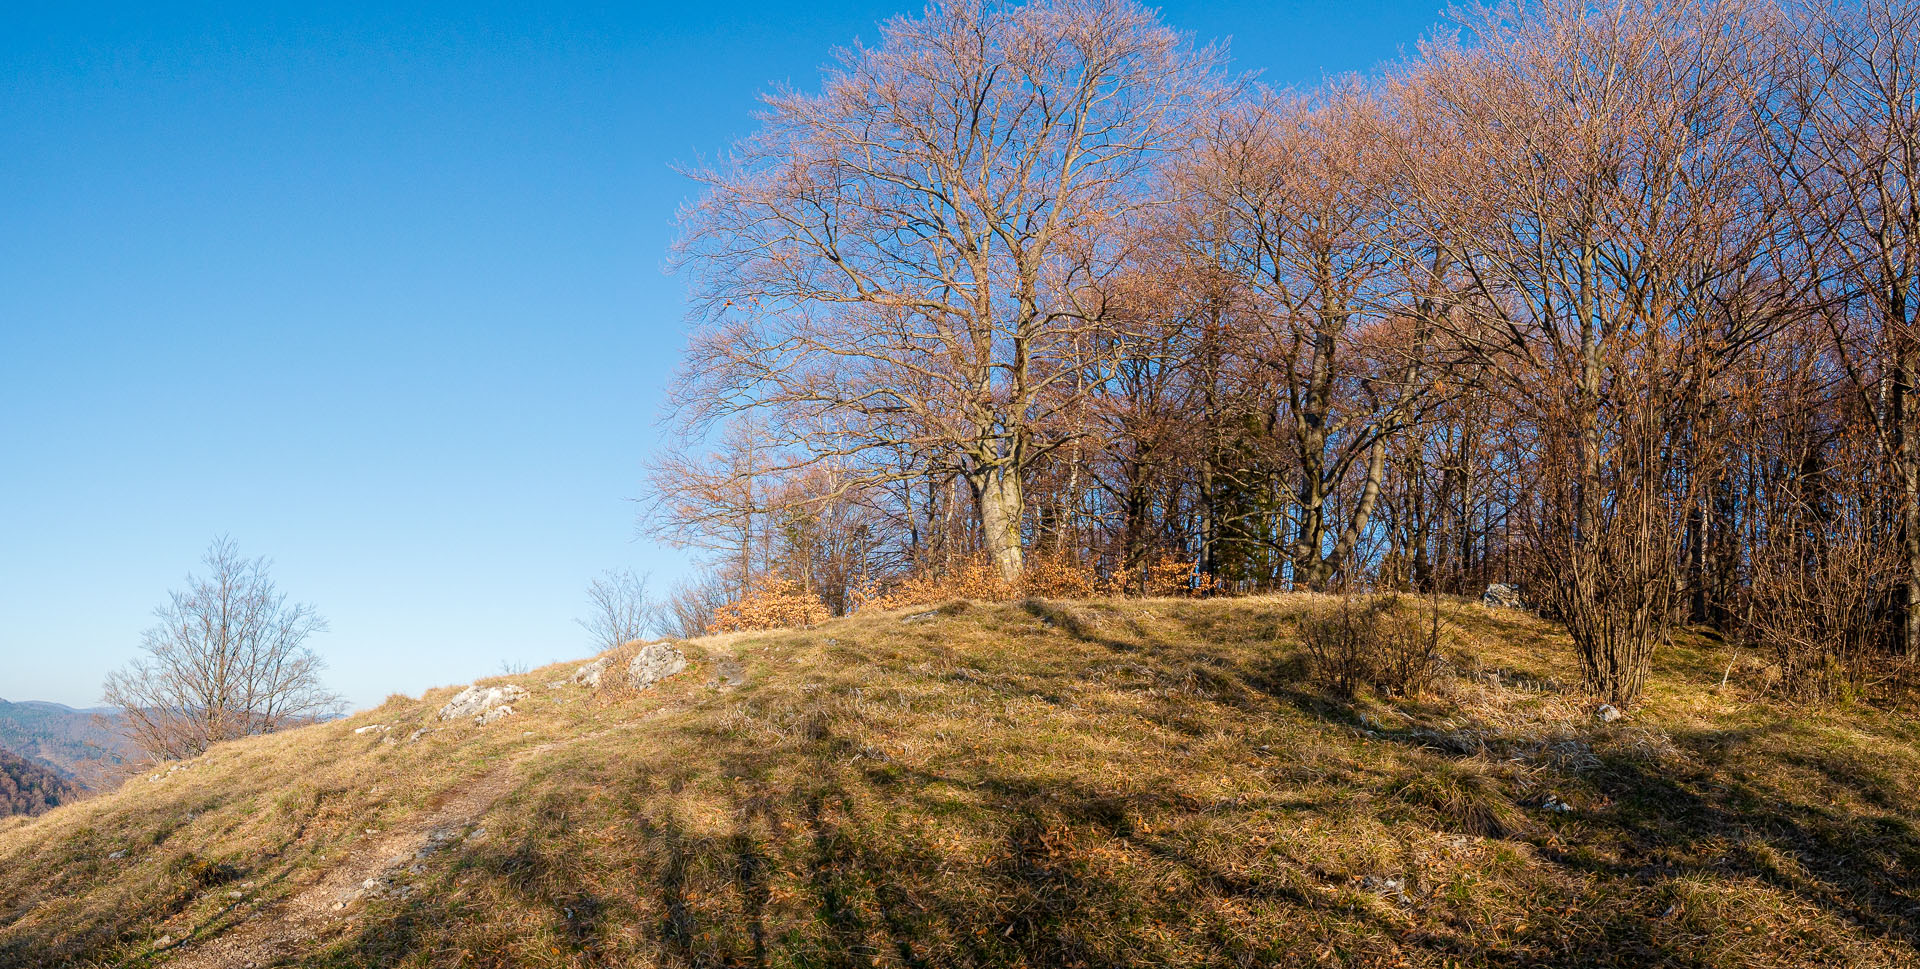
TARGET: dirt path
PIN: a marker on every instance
(286, 930)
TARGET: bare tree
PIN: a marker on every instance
(690, 608)
(1293, 198)
(911, 256)
(228, 659)
(621, 611)
(1610, 229)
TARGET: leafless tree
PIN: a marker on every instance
(228, 659)
(620, 610)
(1293, 198)
(912, 256)
(689, 610)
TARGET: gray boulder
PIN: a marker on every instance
(475, 701)
(653, 663)
(590, 674)
(1503, 596)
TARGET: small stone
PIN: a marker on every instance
(497, 713)
(122, 853)
(728, 674)
(919, 617)
(163, 942)
(1503, 596)
(370, 728)
(1608, 713)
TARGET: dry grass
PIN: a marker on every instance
(1044, 784)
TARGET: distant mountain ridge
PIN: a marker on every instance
(83, 747)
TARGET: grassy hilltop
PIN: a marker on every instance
(1135, 783)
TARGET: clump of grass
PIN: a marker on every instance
(1464, 799)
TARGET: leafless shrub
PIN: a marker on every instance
(621, 611)
(688, 612)
(228, 659)
(1380, 642)
(1818, 609)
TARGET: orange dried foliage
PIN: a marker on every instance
(1046, 577)
(770, 604)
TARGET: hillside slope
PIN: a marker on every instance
(1042, 784)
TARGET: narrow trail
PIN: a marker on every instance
(286, 929)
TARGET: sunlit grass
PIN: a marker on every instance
(1097, 783)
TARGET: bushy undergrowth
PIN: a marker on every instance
(1046, 577)
(771, 604)
(1385, 642)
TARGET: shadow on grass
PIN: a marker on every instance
(825, 851)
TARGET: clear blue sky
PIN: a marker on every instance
(379, 293)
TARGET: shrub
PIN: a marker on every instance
(973, 578)
(1820, 613)
(770, 604)
(1382, 642)
(1046, 577)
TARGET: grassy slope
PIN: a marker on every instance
(1124, 783)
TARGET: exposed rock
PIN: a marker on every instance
(920, 617)
(653, 663)
(728, 674)
(475, 701)
(590, 674)
(1503, 596)
(1608, 713)
(370, 728)
(497, 713)
(417, 734)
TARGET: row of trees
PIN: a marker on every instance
(1613, 301)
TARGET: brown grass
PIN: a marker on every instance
(1098, 783)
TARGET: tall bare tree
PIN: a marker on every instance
(1850, 157)
(1607, 225)
(1294, 197)
(911, 255)
(228, 659)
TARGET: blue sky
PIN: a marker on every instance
(380, 294)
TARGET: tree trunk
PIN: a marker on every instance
(1907, 456)
(996, 490)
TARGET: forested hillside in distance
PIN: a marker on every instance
(82, 744)
(28, 788)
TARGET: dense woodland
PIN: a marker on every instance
(1611, 302)
(28, 788)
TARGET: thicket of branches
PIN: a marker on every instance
(1611, 301)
